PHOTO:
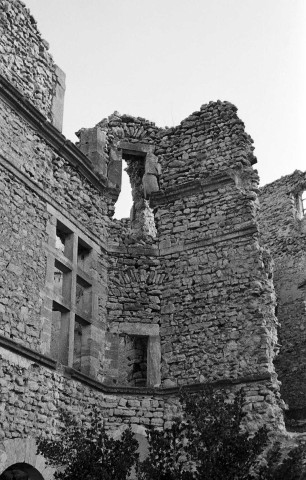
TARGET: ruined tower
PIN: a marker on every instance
(120, 314)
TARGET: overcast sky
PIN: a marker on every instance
(162, 59)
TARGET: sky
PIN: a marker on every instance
(163, 59)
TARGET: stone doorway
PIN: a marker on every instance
(21, 471)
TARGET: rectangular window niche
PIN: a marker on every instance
(62, 282)
(83, 297)
(87, 344)
(84, 255)
(70, 311)
(138, 354)
(133, 360)
(60, 333)
(64, 240)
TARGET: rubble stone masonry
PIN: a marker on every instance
(122, 313)
(283, 229)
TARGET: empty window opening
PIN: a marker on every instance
(63, 240)
(141, 216)
(62, 282)
(83, 297)
(73, 296)
(81, 353)
(133, 360)
(124, 203)
(84, 255)
(59, 333)
(300, 202)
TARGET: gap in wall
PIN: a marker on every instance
(125, 201)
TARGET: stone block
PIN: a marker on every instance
(150, 184)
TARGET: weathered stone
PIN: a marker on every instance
(180, 294)
(150, 184)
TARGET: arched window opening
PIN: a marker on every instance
(21, 471)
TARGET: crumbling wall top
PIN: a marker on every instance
(26, 63)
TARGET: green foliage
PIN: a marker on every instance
(88, 453)
(292, 467)
(207, 443)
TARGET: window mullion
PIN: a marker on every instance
(74, 257)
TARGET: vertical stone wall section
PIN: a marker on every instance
(283, 231)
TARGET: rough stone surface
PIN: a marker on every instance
(283, 230)
(25, 60)
(179, 294)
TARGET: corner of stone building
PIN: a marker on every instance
(28, 66)
(282, 226)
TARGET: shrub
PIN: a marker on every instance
(88, 453)
(207, 442)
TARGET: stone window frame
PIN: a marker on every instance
(67, 302)
(303, 200)
(152, 332)
(142, 153)
(300, 201)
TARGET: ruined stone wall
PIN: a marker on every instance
(208, 141)
(23, 232)
(283, 230)
(25, 61)
(46, 184)
(209, 286)
(90, 307)
(32, 396)
(27, 150)
(217, 318)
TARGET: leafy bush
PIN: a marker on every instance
(207, 442)
(86, 453)
(291, 468)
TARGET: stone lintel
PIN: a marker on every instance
(137, 149)
(135, 328)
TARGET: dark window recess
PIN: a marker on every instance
(62, 282)
(72, 299)
(59, 333)
(84, 255)
(303, 199)
(81, 352)
(83, 297)
(64, 240)
(133, 360)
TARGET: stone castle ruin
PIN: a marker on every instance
(120, 314)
